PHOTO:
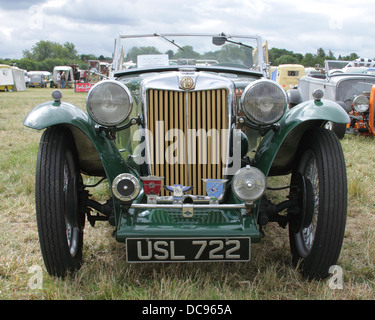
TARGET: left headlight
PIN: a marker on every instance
(264, 102)
(360, 103)
(109, 103)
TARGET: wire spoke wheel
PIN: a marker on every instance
(317, 245)
(305, 238)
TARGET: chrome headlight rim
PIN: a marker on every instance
(118, 120)
(248, 91)
(361, 103)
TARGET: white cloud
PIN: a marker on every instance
(300, 26)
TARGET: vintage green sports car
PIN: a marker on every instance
(186, 132)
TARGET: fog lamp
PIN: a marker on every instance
(126, 187)
(248, 184)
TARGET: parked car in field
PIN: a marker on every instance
(39, 78)
(362, 114)
(343, 82)
(186, 151)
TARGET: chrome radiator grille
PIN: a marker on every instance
(187, 142)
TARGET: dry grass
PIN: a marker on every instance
(106, 275)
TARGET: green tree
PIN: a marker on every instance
(275, 55)
(70, 50)
(321, 53)
(47, 49)
(351, 57)
(49, 63)
(331, 55)
(28, 64)
(286, 59)
(308, 60)
(86, 57)
(231, 53)
(135, 51)
(186, 53)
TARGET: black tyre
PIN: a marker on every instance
(316, 245)
(338, 128)
(60, 222)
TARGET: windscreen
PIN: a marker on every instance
(144, 52)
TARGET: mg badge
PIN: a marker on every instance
(187, 83)
(215, 188)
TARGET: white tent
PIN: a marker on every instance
(12, 78)
(6, 77)
(19, 79)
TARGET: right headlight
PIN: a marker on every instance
(360, 103)
(109, 103)
(264, 102)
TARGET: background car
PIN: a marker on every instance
(341, 82)
(39, 78)
(186, 151)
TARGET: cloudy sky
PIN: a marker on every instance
(341, 26)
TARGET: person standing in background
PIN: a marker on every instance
(59, 79)
(63, 80)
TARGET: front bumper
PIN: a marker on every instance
(144, 220)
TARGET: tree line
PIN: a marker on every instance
(283, 56)
(45, 55)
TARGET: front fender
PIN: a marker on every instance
(97, 154)
(277, 150)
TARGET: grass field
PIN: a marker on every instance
(105, 274)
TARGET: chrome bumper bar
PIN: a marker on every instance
(188, 206)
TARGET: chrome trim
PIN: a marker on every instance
(188, 206)
(195, 198)
(186, 94)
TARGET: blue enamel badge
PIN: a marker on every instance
(215, 187)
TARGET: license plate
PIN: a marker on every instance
(187, 249)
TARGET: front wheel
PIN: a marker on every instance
(59, 218)
(316, 244)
